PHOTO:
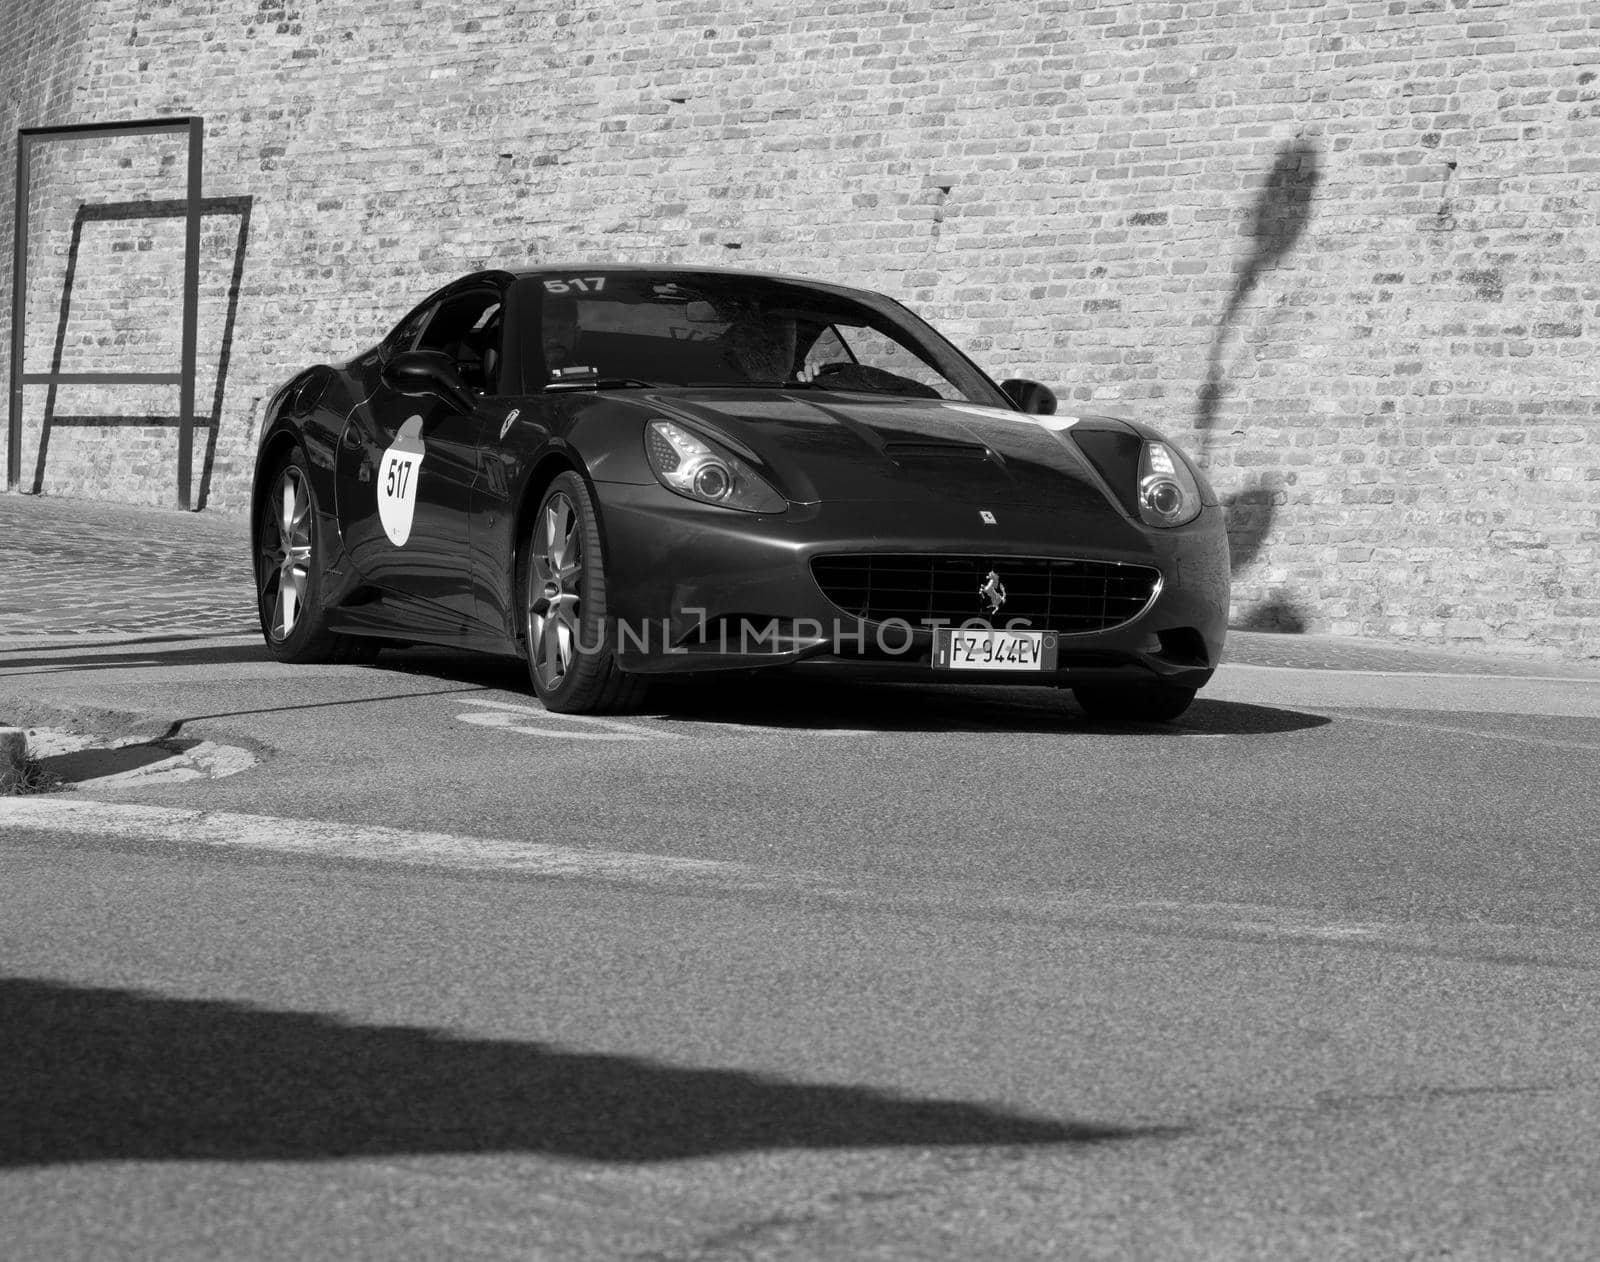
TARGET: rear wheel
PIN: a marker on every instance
(1134, 703)
(562, 585)
(294, 620)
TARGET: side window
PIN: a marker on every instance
(467, 328)
(405, 333)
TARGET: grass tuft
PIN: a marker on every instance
(33, 778)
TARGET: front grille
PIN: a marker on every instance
(1069, 596)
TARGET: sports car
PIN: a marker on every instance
(624, 472)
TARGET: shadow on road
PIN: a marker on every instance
(776, 701)
(118, 1075)
(97, 761)
(125, 656)
(809, 702)
(932, 708)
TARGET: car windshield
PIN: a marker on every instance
(712, 330)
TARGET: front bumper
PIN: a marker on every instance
(693, 588)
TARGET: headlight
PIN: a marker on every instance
(696, 467)
(1168, 494)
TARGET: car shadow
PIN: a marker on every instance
(939, 708)
(126, 655)
(96, 1074)
(813, 703)
(772, 701)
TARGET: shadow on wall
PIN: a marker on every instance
(211, 422)
(1277, 220)
(116, 1075)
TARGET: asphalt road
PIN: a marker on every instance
(798, 972)
(388, 963)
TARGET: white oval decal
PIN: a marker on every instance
(397, 481)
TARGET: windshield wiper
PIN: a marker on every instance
(602, 383)
(749, 385)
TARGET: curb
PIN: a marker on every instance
(105, 724)
(13, 757)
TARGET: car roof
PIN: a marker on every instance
(580, 267)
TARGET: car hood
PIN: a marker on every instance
(838, 447)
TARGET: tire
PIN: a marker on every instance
(1134, 703)
(294, 619)
(561, 588)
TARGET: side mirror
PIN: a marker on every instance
(428, 372)
(1030, 396)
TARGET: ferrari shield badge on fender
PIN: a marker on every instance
(397, 481)
(987, 516)
(511, 419)
(993, 592)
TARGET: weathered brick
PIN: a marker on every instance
(1264, 226)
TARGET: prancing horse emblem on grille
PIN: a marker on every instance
(993, 592)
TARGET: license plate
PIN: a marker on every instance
(955, 649)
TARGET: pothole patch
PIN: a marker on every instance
(71, 760)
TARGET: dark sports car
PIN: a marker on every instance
(618, 472)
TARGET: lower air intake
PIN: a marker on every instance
(1069, 596)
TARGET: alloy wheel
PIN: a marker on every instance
(555, 580)
(285, 558)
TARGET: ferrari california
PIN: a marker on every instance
(622, 472)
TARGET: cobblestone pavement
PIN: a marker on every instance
(77, 571)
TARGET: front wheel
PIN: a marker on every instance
(562, 586)
(1134, 703)
(294, 620)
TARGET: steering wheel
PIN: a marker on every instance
(842, 375)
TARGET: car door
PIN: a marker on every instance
(408, 465)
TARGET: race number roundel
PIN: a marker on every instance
(397, 481)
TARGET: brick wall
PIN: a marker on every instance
(42, 44)
(1346, 251)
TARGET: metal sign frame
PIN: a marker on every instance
(27, 138)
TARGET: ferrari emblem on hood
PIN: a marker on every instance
(993, 592)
